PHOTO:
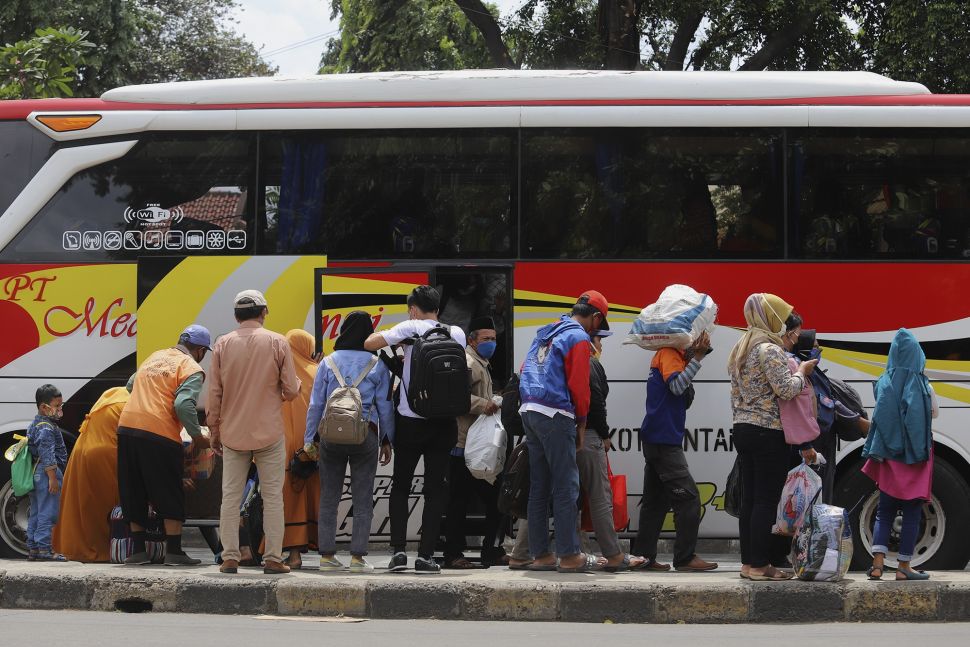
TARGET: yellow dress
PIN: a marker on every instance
(90, 490)
(301, 498)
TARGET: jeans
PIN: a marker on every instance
(44, 509)
(415, 438)
(461, 486)
(271, 467)
(553, 475)
(886, 516)
(363, 468)
(764, 466)
(593, 479)
(667, 484)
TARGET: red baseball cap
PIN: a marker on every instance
(598, 301)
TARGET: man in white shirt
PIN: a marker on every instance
(417, 437)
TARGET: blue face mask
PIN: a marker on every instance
(486, 349)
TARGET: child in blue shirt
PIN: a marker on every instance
(46, 445)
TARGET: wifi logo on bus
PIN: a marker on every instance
(154, 214)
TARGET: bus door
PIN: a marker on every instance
(467, 292)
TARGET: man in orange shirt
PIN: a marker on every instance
(150, 454)
(252, 375)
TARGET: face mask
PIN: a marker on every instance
(486, 349)
(54, 414)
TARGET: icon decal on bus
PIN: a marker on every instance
(153, 214)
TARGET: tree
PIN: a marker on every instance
(43, 66)
(380, 35)
(142, 41)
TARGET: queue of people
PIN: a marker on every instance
(270, 399)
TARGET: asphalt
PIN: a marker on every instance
(492, 594)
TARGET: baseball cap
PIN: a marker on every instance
(198, 335)
(248, 298)
(598, 301)
(602, 332)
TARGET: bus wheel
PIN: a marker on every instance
(941, 543)
(13, 517)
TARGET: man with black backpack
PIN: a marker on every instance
(434, 391)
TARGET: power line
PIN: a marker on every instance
(299, 44)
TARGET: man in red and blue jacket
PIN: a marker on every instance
(554, 387)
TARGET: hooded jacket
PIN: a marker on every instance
(901, 423)
(556, 369)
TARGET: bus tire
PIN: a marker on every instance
(941, 543)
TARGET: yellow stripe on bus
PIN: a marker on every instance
(291, 294)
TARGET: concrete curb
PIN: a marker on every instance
(489, 595)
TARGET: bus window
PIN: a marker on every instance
(651, 193)
(23, 150)
(171, 195)
(865, 194)
(381, 195)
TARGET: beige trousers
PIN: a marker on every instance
(271, 465)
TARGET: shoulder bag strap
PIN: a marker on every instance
(367, 369)
(336, 373)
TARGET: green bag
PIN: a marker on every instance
(22, 470)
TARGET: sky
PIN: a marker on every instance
(294, 33)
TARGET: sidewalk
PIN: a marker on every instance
(493, 594)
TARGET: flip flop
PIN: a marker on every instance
(588, 566)
(541, 567)
(913, 575)
(520, 567)
(779, 576)
(626, 565)
(460, 563)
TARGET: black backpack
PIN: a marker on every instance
(440, 382)
(513, 497)
(847, 429)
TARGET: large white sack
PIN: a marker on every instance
(678, 318)
(485, 447)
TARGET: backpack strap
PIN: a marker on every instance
(367, 369)
(333, 367)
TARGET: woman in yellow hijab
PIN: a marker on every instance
(758, 366)
(90, 489)
(301, 497)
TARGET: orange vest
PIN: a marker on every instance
(152, 403)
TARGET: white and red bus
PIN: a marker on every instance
(127, 217)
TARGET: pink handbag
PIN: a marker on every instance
(798, 415)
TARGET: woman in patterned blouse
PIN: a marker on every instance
(759, 373)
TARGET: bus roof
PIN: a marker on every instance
(517, 85)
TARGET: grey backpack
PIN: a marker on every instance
(343, 420)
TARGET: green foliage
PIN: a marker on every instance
(141, 41)
(382, 35)
(43, 66)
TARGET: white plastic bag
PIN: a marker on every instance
(678, 318)
(485, 447)
(822, 550)
(797, 497)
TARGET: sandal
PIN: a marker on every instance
(524, 566)
(627, 564)
(909, 574)
(460, 563)
(541, 567)
(774, 575)
(588, 566)
(871, 573)
(57, 557)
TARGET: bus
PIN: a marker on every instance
(129, 216)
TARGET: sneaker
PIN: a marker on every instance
(180, 559)
(360, 565)
(398, 563)
(138, 559)
(424, 566)
(330, 564)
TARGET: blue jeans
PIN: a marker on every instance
(44, 508)
(552, 475)
(886, 516)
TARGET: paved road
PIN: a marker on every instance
(80, 629)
